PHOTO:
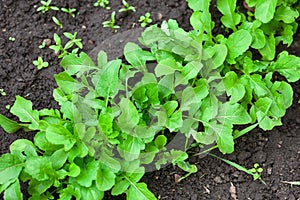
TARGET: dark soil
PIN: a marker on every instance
(277, 151)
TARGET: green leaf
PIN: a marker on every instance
(136, 56)
(57, 134)
(224, 137)
(233, 114)
(106, 83)
(13, 192)
(258, 85)
(160, 141)
(68, 192)
(237, 43)
(22, 145)
(265, 10)
(129, 117)
(175, 121)
(139, 191)
(66, 83)
(261, 108)
(120, 187)
(130, 148)
(58, 158)
(105, 179)
(73, 64)
(110, 162)
(230, 19)
(88, 169)
(23, 109)
(170, 107)
(218, 54)
(269, 50)
(191, 69)
(287, 65)
(233, 87)
(286, 35)
(8, 125)
(167, 66)
(89, 193)
(102, 59)
(286, 14)
(10, 168)
(259, 39)
(40, 168)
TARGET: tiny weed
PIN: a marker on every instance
(145, 20)
(111, 23)
(70, 11)
(256, 170)
(40, 63)
(45, 7)
(292, 183)
(127, 7)
(57, 22)
(2, 92)
(11, 39)
(8, 107)
(63, 50)
(102, 3)
(43, 45)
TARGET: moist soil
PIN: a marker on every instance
(277, 151)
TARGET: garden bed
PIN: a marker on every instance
(277, 151)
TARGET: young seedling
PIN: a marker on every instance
(2, 92)
(45, 7)
(43, 45)
(40, 63)
(256, 170)
(145, 20)
(70, 11)
(297, 183)
(127, 7)
(73, 40)
(102, 3)
(62, 50)
(57, 22)
(11, 39)
(111, 23)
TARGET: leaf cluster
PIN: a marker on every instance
(115, 116)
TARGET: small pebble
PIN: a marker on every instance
(218, 179)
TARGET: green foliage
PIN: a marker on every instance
(39, 63)
(111, 23)
(57, 22)
(145, 20)
(115, 116)
(45, 7)
(70, 11)
(127, 7)
(12, 39)
(102, 3)
(63, 50)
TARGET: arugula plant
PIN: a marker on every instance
(111, 129)
(111, 23)
(45, 7)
